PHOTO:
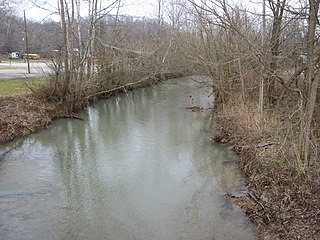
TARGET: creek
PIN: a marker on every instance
(140, 165)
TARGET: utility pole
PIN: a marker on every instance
(26, 40)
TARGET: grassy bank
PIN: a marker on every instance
(283, 194)
(21, 86)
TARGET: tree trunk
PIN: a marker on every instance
(65, 52)
(277, 9)
(310, 92)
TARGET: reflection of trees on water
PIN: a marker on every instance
(88, 196)
(216, 170)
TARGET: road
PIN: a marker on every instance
(19, 70)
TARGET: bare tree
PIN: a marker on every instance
(65, 50)
(309, 93)
(278, 8)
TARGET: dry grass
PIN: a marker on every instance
(21, 116)
(247, 124)
(283, 201)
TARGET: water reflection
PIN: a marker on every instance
(139, 166)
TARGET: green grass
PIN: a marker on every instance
(4, 67)
(20, 86)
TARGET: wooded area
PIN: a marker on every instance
(264, 65)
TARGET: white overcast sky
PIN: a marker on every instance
(130, 7)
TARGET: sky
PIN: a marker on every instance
(39, 10)
(42, 9)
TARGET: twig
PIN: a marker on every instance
(262, 145)
(255, 198)
(29, 87)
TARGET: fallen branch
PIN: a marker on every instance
(259, 201)
(73, 117)
(262, 145)
(117, 88)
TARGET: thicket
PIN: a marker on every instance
(265, 71)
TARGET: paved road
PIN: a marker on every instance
(20, 70)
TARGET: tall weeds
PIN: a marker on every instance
(284, 192)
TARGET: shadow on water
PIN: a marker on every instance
(140, 166)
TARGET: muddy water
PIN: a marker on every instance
(140, 166)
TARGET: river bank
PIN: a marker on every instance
(283, 195)
(23, 115)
